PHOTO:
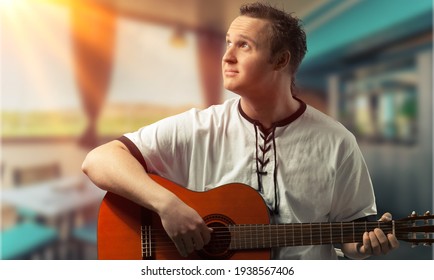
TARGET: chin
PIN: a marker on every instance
(231, 87)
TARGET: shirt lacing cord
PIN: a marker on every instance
(262, 162)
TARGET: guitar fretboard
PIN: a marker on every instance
(300, 234)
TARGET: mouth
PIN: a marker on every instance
(230, 72)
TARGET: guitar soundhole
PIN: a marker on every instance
(218, 247)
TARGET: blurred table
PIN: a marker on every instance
(54, 198)
(58, 202)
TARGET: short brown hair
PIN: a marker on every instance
(287, 33)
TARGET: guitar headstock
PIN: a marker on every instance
(416, 229)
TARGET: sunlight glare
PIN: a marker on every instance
(8, 3)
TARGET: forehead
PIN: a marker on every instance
(248, 26)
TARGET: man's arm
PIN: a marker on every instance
(113, 168)
(375, 243)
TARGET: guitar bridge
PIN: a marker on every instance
(146, 242)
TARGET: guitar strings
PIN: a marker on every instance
(259, 236)
(304, 227)
(321, 226)
(221, 247)
(247, 236)
(289, 227)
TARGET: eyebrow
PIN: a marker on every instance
(247, 38)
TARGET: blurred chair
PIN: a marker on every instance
(24, 240)
(25, 236)
(27, 175)
(85, 241)
(9, 216)
(84, 234)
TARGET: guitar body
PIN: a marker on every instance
(123, 224)
(241, 227)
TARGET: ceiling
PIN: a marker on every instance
(198, 14)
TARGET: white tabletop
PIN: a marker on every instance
(54, 198)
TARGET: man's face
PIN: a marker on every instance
(246, 63)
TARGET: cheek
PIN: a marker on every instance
(255, 69)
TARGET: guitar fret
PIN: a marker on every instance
(325, 234)
(235, 237)
(331, 233)
(301, 227)
(141, 240)
(146, 239)
(150, 241)
(245, 236)
(240, 239)
(342, 234)
(311, 241)
(144, 247)
(252, 236)
(263, 237)
(269, 235)
(232, 236)
(320, 234)
(273, 228)
(354, 239)
(256, 230)
(277, 235)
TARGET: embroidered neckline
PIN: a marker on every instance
(283, 122)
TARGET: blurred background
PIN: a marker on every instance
(76, 74)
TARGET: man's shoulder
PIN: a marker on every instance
(326, 124)
(216, 111)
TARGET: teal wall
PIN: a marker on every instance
(363, 25)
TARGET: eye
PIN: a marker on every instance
(244, 45)
(228, 44)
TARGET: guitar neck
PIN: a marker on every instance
(300, 234)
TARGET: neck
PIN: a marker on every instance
(300, 234)
(270, 108)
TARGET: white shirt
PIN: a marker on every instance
(312, 168)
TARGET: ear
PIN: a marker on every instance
(282, 60)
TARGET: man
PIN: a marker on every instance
(306, 166)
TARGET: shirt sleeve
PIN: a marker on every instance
(353, 196)
(162, 147)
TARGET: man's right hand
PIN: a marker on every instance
(185, 227)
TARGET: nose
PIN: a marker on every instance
(229, 56)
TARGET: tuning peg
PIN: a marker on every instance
(413, 235)
(427, 235)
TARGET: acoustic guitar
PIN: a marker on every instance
(242, 229)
